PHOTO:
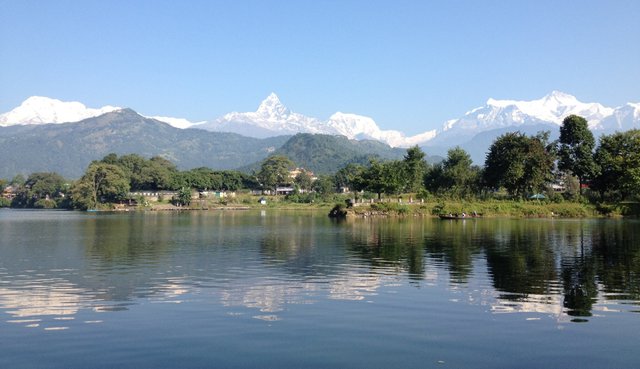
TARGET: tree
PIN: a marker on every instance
(183, 198)
(274, 171)
(350, 176)
(17, 180)
(618, 161)
(100, 183)
(415, 168)
(519, 163)
(303, 180)
(42, 185)
(576, 148)
(455, 176)
(384, 177)
(232, 180)
(323, 185)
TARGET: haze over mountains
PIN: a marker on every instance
(474, 131)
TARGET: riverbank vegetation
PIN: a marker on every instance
(523, 176)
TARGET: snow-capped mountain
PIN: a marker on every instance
(176, 122)
(360, 127)
(43, 110)
(498, 115)
(552, 109)
(623, 118)
(273, 118)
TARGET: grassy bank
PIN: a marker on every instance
(490, 208)
(433, 207)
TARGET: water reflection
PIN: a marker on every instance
(267, 262)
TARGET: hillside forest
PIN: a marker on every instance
(517, 166)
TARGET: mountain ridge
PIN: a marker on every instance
(272, 118)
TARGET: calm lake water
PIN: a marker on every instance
(274, 289)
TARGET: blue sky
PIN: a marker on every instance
(410, 65)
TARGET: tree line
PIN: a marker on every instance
(516, 166)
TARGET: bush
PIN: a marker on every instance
(390, 207)
(338, 211)
(4, 203)
(45, 204)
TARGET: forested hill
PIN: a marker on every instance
(68, 148)
(325, 154)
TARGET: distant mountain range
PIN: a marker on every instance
(69, 148)
(474, 131)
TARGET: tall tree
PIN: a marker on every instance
(618, 160)
(455, 176)
(350, 176)
(100, 183)
(415, 168)
(274, 171)
(576, 148)
(303, 180)
(519, 163)
(383, 177)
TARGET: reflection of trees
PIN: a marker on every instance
(390, 244)
(578, 273)
(580, 290)
(520, 260)
(452, 243)
(606, 255)
(616, 247)
(301, 244)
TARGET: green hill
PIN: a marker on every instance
(68, 148)
(325, 154)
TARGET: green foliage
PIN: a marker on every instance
(301, 198)
(17, 180)
(4, 203)
(415, 169)
(350, 176)
(183, 198)
(390, 207)
(519, 163)
(45, 204)
(38, 186)
(576, 148)
(338, 211)
(101, 183)
(44, 185)
(69, 148)
(455, 177)
(324, 185)
(382, 178)
(618, 160)
(274, 171)
(326, 154)
(303, 180)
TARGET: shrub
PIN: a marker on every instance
(45, 204)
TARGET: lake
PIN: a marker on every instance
(295, 289)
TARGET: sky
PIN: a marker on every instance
(410, 65)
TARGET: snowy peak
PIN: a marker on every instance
(552, 108)
(623, 118)
(272, 118)
(43, 110)
(271, 107)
